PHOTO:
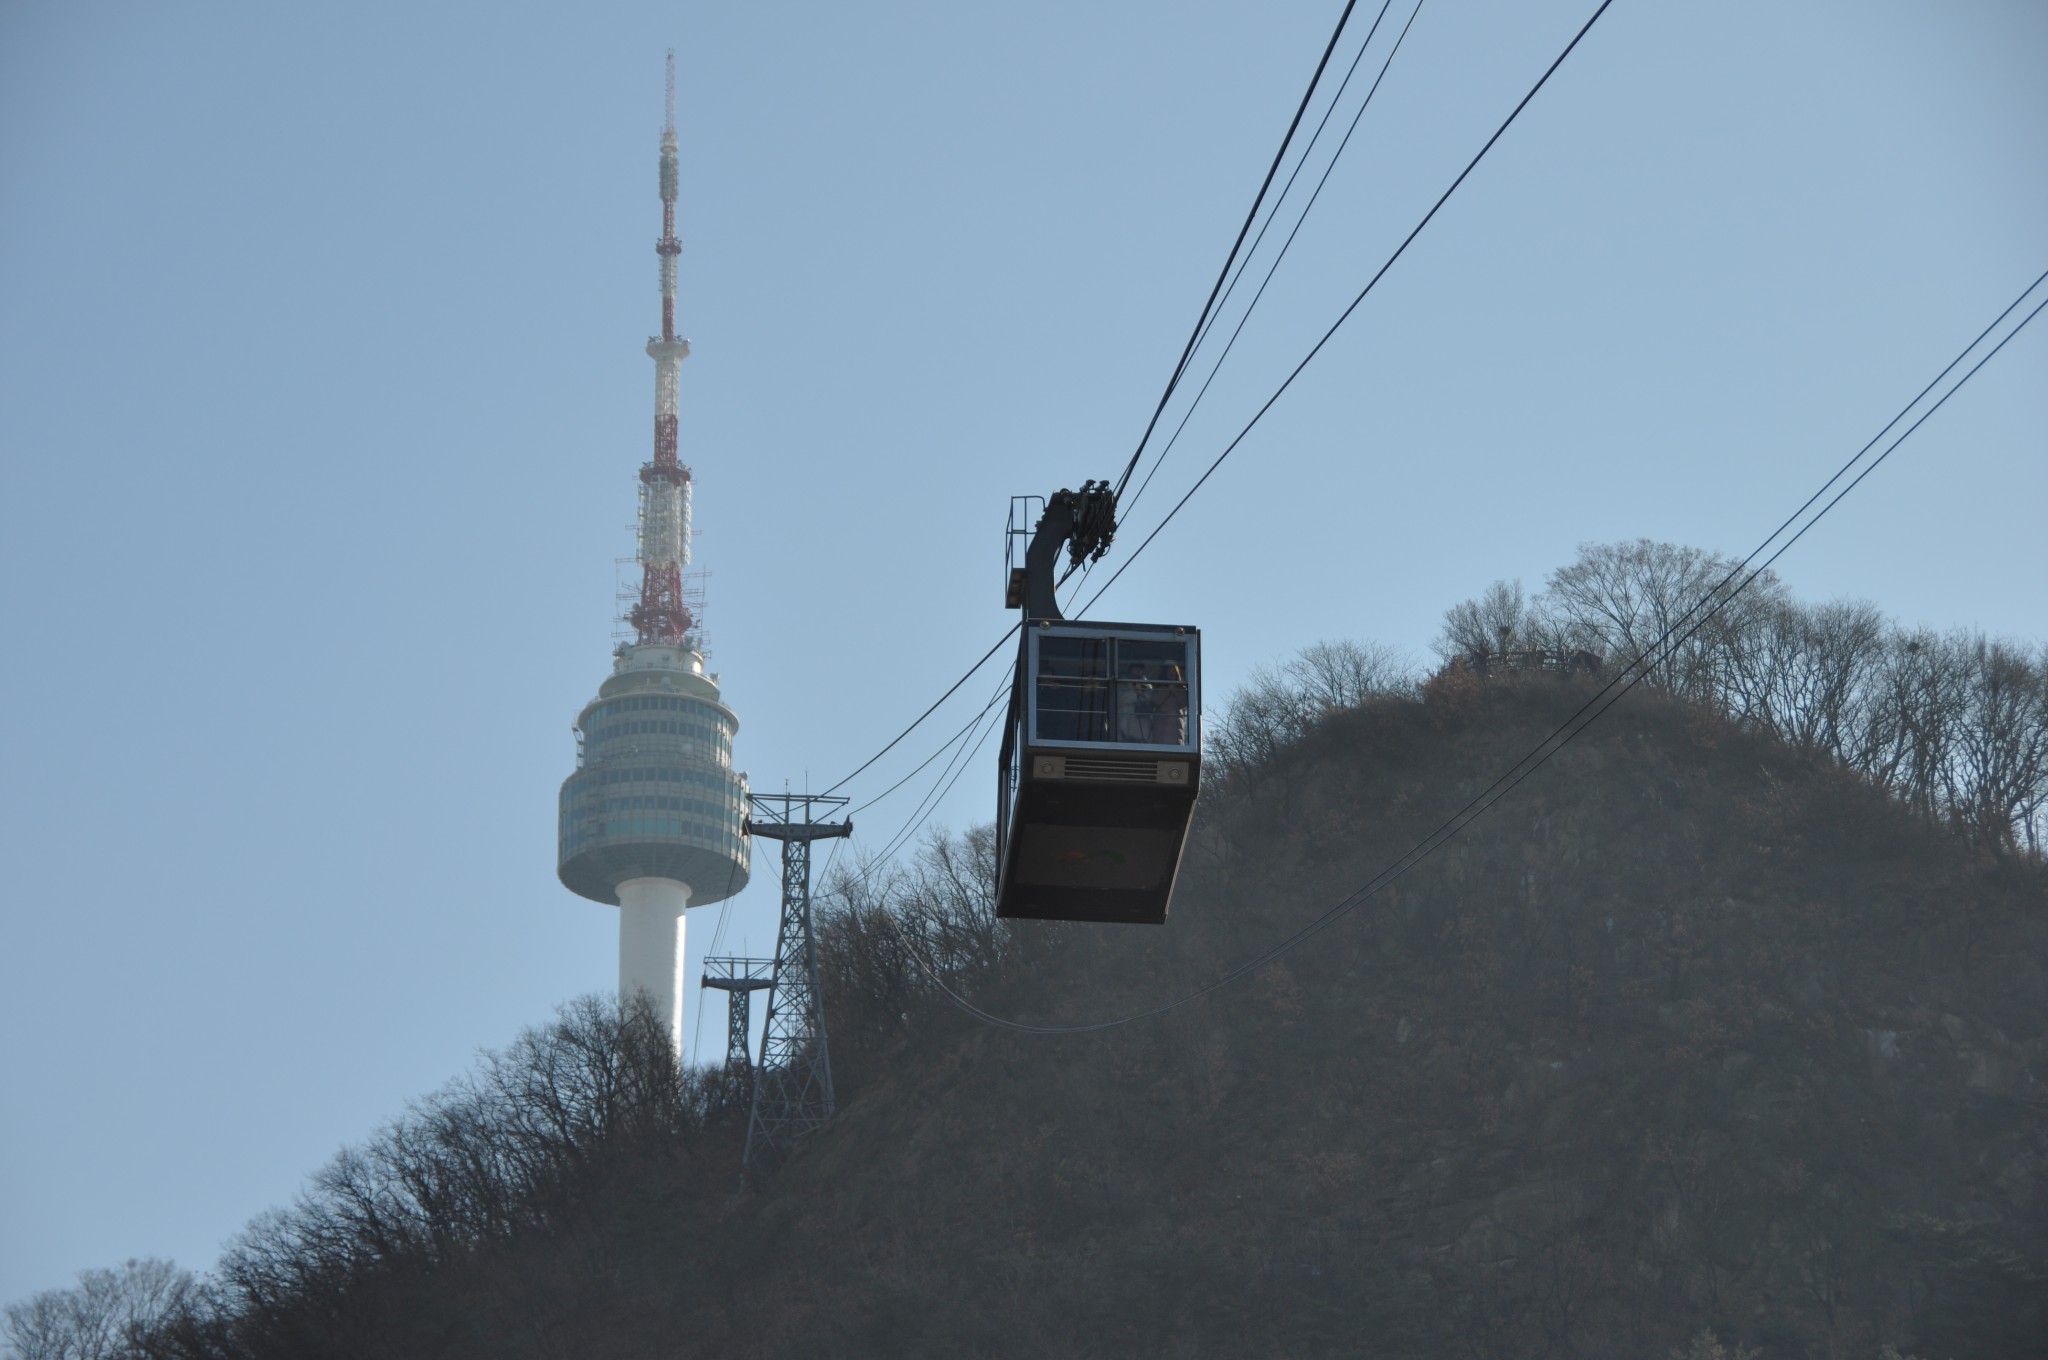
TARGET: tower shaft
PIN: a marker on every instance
(651, 950)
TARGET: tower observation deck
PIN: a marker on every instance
(652, 820)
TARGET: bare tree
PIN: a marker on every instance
(1498, 619)
(886, 928)
(522, 1143)
(1910, 725)
(1955, 726)
(1998, 773)
(1652, 600)
(106, 1316)
(1277, 706)
(1806, 673)
(1329, 676)
(1261, 717)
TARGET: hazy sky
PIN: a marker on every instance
(322, 393)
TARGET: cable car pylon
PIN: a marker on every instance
(793, 1083)
(1102, 749)
(739, 979)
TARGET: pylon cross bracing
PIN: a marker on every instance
(793, 1083)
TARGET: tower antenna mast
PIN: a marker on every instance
(669, 247)
(661, 618)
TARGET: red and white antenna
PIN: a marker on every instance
(661, 617)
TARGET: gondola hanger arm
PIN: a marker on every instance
(1084, 523)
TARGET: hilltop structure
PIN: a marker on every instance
(652, 821)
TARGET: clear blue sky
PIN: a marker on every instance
(321, 394)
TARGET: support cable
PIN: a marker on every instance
(1345, 315)
(1716, 599)
(959, 765)
(1000, 694)
(1193, 338)
(1238, 330)
(1300, 164)
(935, 795)
(928, 712)
(1278, 156)
(1232, 446)
(717, 934)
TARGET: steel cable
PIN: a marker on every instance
(1345, 315)
(1272, 269)
(1181, 367)
(1627, 678)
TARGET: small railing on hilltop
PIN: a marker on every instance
(1492, 661)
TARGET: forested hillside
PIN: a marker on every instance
(1732, 1019)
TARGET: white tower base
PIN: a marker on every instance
(651, 948)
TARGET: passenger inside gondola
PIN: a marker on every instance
(1169, 725)
(1134, 705)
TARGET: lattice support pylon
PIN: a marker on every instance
(793, 1083)
(739, 979)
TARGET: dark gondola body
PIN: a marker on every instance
(1101, 765)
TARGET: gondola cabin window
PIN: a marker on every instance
(1116, 691)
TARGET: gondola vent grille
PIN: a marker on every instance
(1109, 768)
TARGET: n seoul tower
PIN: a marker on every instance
(651, 821)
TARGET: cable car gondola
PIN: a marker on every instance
(1102, 757)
